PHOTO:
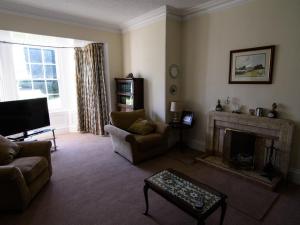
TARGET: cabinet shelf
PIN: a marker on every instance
(125, 93)
(125, 106)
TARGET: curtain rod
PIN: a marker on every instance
(45, 46)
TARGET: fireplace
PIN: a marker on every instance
(238, 149)
(241, 144)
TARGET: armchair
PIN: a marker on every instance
(24, 177)
(136, 148)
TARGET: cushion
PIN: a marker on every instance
(123, 120)
(8, 150)
(31, 167)
(142, 127)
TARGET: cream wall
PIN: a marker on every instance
(207, 41)
(113, 40)
(173, 56)
(145, 56)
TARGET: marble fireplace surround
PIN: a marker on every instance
(265, 129)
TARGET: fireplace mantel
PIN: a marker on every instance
(280, 130)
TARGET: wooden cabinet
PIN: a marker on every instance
(129, 93)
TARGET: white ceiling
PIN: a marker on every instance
(98, 13)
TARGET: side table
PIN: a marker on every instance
(180, 126)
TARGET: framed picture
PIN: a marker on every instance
(251, 65)
(187, 118)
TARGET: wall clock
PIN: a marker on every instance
(174, 71)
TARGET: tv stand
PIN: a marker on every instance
(26, 134)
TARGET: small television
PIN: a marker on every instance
(22, 116)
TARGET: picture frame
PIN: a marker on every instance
(251, 65)
(187, 118)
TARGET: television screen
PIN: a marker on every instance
(23, 115)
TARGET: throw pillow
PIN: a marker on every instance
(8, 150)
(142, 127)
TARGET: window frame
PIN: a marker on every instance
(28, 63)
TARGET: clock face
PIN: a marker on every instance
(174, 71)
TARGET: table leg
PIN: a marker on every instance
(224, 207)
(54, 139)
(146, 187)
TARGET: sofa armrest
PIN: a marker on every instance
(36, 148)
(162, 128)
(14, 193)
(122, 134)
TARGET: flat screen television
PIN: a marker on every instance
(23, 116)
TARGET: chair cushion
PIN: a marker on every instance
(149, 141)
(8, 150)
(31, 167)
(123, 120)
(142, 127)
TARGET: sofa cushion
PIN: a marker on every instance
(142, 127)
(149, 141)
(31, 167)
(123, 120)
(8, 150)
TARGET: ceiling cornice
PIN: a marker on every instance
(209, 7)
(135, 23)
(145, 19)
(83, 23)
(178, 14)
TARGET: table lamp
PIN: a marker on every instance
(176, 108)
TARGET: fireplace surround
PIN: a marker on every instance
(265, 131)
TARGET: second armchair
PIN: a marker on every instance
(134, 147)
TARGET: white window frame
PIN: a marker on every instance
(45, 79)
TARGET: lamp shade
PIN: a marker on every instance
(176, 107)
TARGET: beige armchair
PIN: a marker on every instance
(136, 148)
(24, 177)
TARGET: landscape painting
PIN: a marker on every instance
(251, 65)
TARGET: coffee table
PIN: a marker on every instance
(195, 198)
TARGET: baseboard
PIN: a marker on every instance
(196, 144)
(294, 175)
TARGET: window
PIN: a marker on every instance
(36, 74)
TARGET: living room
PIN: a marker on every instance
(89, 186)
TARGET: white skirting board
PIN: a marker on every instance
(293, 175)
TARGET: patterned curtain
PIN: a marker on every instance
(91, 90)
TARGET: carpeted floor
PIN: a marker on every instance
(92, 185)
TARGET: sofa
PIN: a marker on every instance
(26, 173)
(134, 147)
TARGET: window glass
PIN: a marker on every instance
(39, 85)
(53, 97)
(25, 85)
(26, 54)
(50, 71)
(35, 55)
(28, 69)
(52, 86)
(49, 56)
(37, 71)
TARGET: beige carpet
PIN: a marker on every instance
(93, 185)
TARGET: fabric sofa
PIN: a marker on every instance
(23, 178)
(136, 148)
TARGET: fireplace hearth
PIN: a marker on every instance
(256, 148)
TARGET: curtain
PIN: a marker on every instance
(91, 90)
